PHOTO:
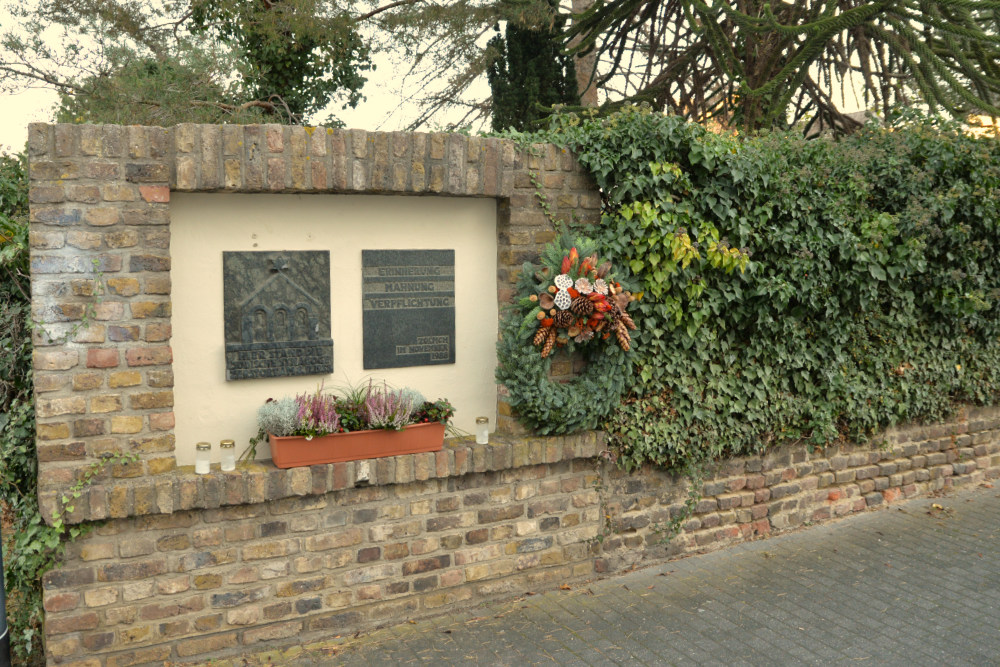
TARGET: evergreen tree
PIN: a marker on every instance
(530, 74)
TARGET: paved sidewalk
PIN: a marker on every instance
(914, 584)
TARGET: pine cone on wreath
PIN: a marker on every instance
(550, 342)
(565, 319)
(582, 306)
(621, 333)
(540, 336)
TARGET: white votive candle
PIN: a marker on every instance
(482, 430)
(228, 460)
(203, 458)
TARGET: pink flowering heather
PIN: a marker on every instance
(317, 414)
(384, 408)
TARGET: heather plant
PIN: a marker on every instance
(316, 414)
(354, 408)
(386, 408)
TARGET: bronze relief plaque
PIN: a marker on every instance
(277, 313)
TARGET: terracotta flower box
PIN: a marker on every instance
(294, 450)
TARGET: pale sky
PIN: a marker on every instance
(30, 106)
(378, 112)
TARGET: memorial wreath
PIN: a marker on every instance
(569, 300)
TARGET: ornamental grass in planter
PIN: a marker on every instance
(370, 422)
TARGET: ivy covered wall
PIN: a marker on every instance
(795, 289)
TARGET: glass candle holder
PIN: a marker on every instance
(228, 449)
(482, 430)
(203, 458)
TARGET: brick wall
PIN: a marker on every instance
(100, 254)
(322, 553)
(790, 486)
(326, 553)
(191, 567)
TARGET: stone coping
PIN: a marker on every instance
(261, 481)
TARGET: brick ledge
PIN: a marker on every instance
(261, 481)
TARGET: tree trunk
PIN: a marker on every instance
(586, 65)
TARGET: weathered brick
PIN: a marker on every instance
(158, 466)
(127, 571)
(145, 216)
(500, 513)
(46, 194)
(53, 407)
(151, 400)
(67, 578)
(204, 559)
(61, 602)
(294, 588)
(237, 598)
(158, 332)
(55, 360)
(124, 379)
(273, 549)
(64, 624)
(173, 585)
(123, 334)
(202, 645)
(146, 309)
(426, 565)
(369, 554)
(83, 428)
(125, 238)
(100, 597)
(102, 217)
(119, 192)
(53, 431)
(272, 632)
(102, 358)
(334, 540)
(155, 193)
(109, 311)
(149, 356)
(50, 382)
(138, 263)
(146, 172)
(46, 240)
(106, 403)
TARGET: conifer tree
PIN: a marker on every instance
(530, 73)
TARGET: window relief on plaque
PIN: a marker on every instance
(408, 307)
(277, 313)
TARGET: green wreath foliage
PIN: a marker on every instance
(545, 406)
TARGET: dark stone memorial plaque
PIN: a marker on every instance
(408, 307)
(277, 313)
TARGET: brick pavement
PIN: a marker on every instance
(914, 584)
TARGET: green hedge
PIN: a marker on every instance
(29, 545)
(870, 296)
